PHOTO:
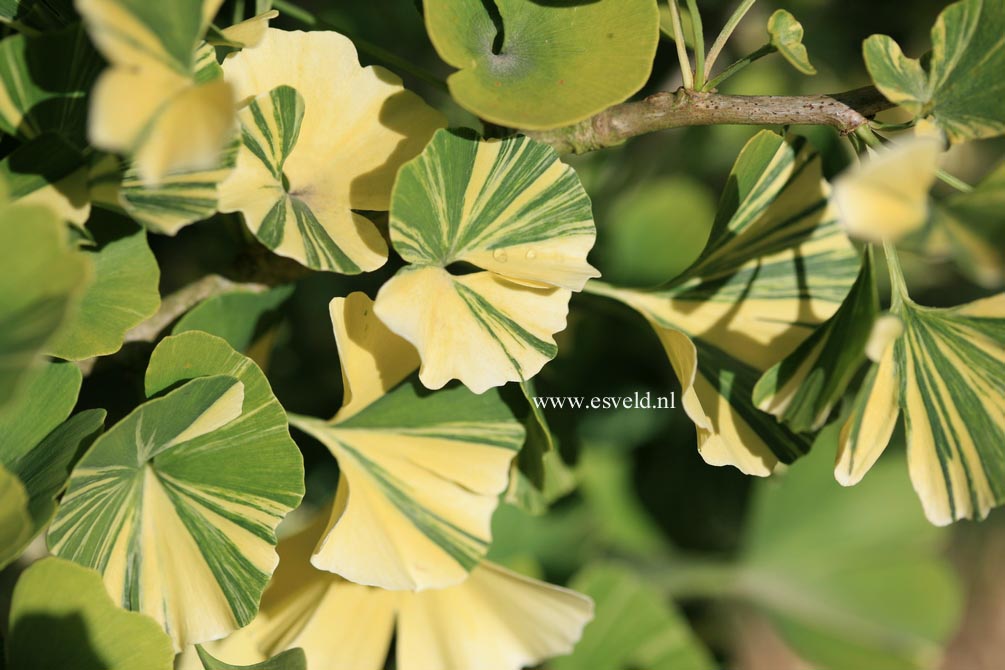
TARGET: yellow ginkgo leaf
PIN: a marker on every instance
(512, 209)
(495, 620)
(421, 472)
(322, 137)
(250, 32)
(161, 100)
(886, 197)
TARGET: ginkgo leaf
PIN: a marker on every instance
(886, 196)
(421, 472)
(294, 659)
(545, 64)
(47, 171)
(44, 84)
(494, 620)
(787, 36)
(959, 85)
(776, 266)
(178, 503)
(15, 520)
(61, 617)
(804, 387)
(162, 100)
(946, 374)
(511, 208)
(39, 288)
(308, 159)
(247, 33)
(125, 291)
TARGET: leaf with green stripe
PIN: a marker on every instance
(960, 84)
(421, 472)
(512, 209)
(162, 100)
(294, 659)
(946, 374)
(178, 503)
(321, 138)
(777, 265)
(634, 627)
(543, 64)
(804, 387)
(340, 624)
(39, 288)
(61, 617)
(45, 82)
(787, 36)
(125, 291)
(47, 171)
(39, 445)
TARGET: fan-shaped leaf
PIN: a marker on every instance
(308, 158)
(787, 36)
(48, 171)
(511, 208)
(543, 65)
(421, 472)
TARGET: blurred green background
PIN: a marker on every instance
(692, 566)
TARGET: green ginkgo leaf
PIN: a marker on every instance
(946, 374)
(238, 316)
(776, 266)
(547, 64)
(804, 387)
(44, 83)
(634, 627)
(39, 288)
(61, 617)
(787, 36)
(321, 137)
(39, 445)
(514, 210)
(293, 659)
(421, 472)
(960, 85)
(42, 15)
(178, 503)
(15, 520)
(124, 293)
(47, 171)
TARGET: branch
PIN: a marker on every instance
(843, 111)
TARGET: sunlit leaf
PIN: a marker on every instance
(124, 292)
(61, 617)
(421, 472)
(946, 372)
(44, 83)
(886, 196)
(776, 266)
(852, 578)
(48, 171)
(39, 286)
(804, 387)
(512, 209)
(178, 503)
(787, 36)
(494, 620)
(247, 33)
(294, 659)
(960, 85)
(543, 64)
(634, 627)
(161, 100)
(322, 137)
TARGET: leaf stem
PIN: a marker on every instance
(898, 285)
(953, 181)
(378, 53)
(687, 77)
(699, 44)
(727, 32)
(765, 50)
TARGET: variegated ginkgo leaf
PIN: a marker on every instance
(886, 196)
(511, 208)
(178, 503)
(162, 100)
(321, 137)
(803, 388)
(787, 36)
(247, 33)
(421, 472)
(47, 170)
(494, 620)
(776, 266)
(946, 374)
